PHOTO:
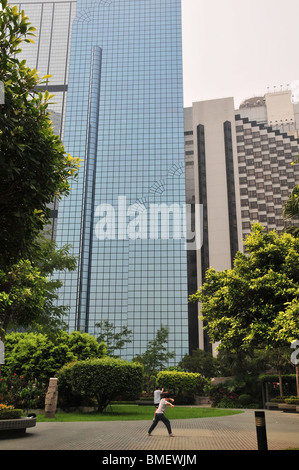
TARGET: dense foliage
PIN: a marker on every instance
(34, 170)
(34, 166)
(34, 355)
(182, 385)
(202, 362)
(24, 394)
(101, 379)
(245, 307)
(22, 295)
(9, 412)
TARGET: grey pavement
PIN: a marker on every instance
(236, 432)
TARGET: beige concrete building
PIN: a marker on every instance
(278, 110)
(239, 168)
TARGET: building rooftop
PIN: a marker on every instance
(253, 102)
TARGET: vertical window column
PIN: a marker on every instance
(203, 198)
(231, 194)
(89, 191)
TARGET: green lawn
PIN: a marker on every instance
(137, 412)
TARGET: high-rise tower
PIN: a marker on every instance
(125, 215)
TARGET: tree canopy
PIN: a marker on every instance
(35, 355)
(22, 296)
(28, 289)
(115, 341)
(156, 356)
(34, 170)
(244, 307)
(34, 166)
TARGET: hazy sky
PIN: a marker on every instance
(239, 48)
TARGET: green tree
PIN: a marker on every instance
(242, 364)
(22, 296)
(49, 259)
(240, 305)
(291, 207)
(114, 341)
(200, 361)
(156, 356)
(83, 345)
(105, 379)
(248, 307)
(28, 292)
(286, 331)
(34, 166)
(36, 356)
(34, 170)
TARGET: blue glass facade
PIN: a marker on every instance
(125, 119)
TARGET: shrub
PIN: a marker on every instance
(9, 412)
(36, 355)
(219, 395)
(245, 399)
(278, 399)
(292, 400)
(183, 385)
(66, 396)
(104, 379)
(227, 402)
(22, 393)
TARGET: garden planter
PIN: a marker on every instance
(13, 427)
(270, 405)
(286, 407)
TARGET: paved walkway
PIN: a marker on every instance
(236, 432)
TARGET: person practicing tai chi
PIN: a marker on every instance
(157, 396)
(160, 416)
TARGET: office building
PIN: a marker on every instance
(240, 169)
(124, 118)
(279, 110)
(116, 69)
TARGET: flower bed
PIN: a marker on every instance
(9, 412)
(11, 422)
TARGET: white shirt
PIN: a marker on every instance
(162, 406)
(157, 396)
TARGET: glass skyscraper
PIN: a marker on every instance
(125, 215)
(124, 118)
(49, 54)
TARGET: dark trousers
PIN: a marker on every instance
(160, 417)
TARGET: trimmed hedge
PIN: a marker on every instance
(101, 379)
(274, 378)
(9, 412)
(183, 385)
(292, 400)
